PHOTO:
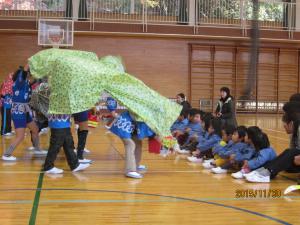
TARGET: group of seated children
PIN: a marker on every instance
(219, 147)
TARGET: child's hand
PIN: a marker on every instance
(187, 130)
(232, 157)
(196, 153)
(297, 160)
(245, 166)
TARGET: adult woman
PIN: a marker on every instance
(226, 108)
(186, 106)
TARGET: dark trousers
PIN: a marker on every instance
(6, 121)
(284, 162)
(206, 154)
(82, 136)
(61, 138)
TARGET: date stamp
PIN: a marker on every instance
(252, 193)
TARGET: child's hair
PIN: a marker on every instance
(242, 131)
(181, 95)
(259, 139)
(229, 129)
(292, 114)
(295, 97)
(207, 120)
(216, 124)
(193, 112)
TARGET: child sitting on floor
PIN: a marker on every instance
(211, 139)
(263, 152)
(223, 145)
(236, 153)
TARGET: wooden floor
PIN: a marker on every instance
(173, 191)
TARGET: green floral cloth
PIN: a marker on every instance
(77, 79)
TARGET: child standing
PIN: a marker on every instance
(22, 114)
(131, 133)
(6, 101)
(81, 119)
(61, 136)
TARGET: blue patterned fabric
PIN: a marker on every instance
(124, 126)
(7, 101)
(59, 121)
(111, 104)
(143, 131)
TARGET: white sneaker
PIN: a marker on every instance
(254, 172)
(134, 175)
(30, 148)
(238, 175)
(81, 166)
(40, 152)
(183, 151)
(218, 170)
(195, 159)
(209, 161)
(141, 168)
(207, 165)
(86, 151)
(43, 131)
(9, 158)
(176, 147)
(258, 178)
(54, 170)
(84, 161)
(8, 134)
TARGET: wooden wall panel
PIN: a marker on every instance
(277, 75)
(160, 63)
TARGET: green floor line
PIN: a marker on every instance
(36, 200)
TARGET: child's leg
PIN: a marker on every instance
(82, 134)
(2, 120)
(130, 163)
(69, 150)
(206, 154)
(57, 139)
(138, 150)
(34, 131)
(20, 134)
(8, 120)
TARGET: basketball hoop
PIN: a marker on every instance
(55, 37)
(55, 33)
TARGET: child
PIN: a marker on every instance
(193, 129)
(22, 114)
(112, 106)
(179, 125)
(288, 160)
(131, 133)
(61, 136)
(236, 153)
(223, 145)
(211, 139)
(263, 152)
(6, 101)
(81, 119)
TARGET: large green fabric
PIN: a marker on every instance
(77, 79)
